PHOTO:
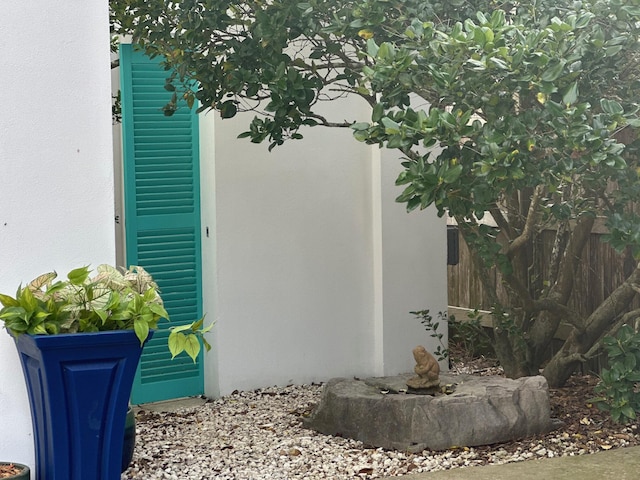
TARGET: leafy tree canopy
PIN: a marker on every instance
(522, 111)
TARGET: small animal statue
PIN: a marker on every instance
(427, 369)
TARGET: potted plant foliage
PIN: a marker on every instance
(14, 471)
(79, 342)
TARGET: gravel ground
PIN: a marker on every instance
(258, 435)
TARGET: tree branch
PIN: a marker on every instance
(568, 315)
(561, 290)
(521, 291)
(559, 246)
(613, 306)
(626, 318)
(512, 205)
(529, 225)
(501, 221)
(554, 303)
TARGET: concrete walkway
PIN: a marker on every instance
(621, 463)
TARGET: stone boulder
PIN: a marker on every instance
(481, 410)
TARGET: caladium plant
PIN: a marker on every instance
(112, 299)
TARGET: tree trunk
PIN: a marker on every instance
(546, 324)
(564, 363)
(512, 359)
(510, 347)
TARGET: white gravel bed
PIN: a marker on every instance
(258, 435)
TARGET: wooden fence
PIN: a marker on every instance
(601, 271)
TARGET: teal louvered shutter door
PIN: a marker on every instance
(162, 218)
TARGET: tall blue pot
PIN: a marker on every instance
(79, 386)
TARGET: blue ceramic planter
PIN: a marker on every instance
(79, 386)
(129, 439)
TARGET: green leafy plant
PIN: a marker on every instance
(470, 337)
(110, 300)
(619, 387)
(187, 338)
(426, 319)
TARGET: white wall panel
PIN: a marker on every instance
(56, 200)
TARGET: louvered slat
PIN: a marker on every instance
(162, 218)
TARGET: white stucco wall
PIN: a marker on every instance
(293, 261)
(414, 270)
(56, 200)
(313, 267)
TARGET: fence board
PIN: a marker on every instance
(601, 271)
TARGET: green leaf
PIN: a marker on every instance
(27, 300)
(122, 315)
(377, 113)
(190, 98)
(413, 203)
(39, 330)
(8, 301)
(611, 107)
(628, 412)
(571, 95)
(632, 10)
(192, 347)
(390, 127)
(554, 71)
(41, 315)
(181, 328)
(206, 344)
(634, 376)
(197, 325)
(629, 361)
(141, 327)
(478, 36)
(177, 341)
(52, 328)
(103, 315)
(12, 313)
(386, 51)
(583, 20)
(498, 62)
(149, 295)
(616, 413)
(612, 50)
(360, 126)
(228, 109)
(361, 135)
(207, 328)
(372, 48)
(78, 276)
(452, 174)
(488, 34)
(497, 18)
(158, 310)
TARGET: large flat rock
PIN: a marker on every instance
(482, 410)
